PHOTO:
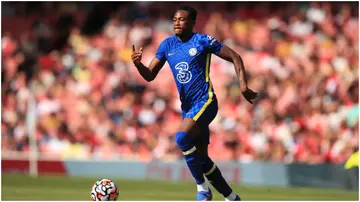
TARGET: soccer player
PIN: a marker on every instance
(188, 55)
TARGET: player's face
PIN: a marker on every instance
(181, 22)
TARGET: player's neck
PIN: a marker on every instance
(186, 37)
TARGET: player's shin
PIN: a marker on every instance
(214, 176)
(192, 159)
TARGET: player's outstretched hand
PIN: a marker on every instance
(250, 95)
(136, 55)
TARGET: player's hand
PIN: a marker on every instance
(250, 95)
(136, 55)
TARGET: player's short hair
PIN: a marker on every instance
(191, 11)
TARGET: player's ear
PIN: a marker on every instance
(193, 23)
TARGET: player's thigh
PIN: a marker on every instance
(199, 116)
(190, 126)
(199, 134)
(206, 114)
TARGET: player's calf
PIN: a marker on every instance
(214, 176)
(184, 141)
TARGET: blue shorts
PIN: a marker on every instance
(203, 112)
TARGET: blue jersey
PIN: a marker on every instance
(190, 65)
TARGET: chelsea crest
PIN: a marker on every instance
(192, 51)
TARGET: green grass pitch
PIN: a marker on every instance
(23, 187)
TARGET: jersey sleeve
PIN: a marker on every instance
(213, 45)
(160, 54)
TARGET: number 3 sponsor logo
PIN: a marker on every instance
(184, 75)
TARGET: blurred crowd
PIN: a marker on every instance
(91, 103)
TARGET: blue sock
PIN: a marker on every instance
(191, 156)
(214, 176)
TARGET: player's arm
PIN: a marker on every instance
(148, 73)
(230, 55)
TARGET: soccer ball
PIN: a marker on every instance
(104, 190)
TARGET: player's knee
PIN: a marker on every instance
(181, 138)
(202, 151)
(183, 141)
